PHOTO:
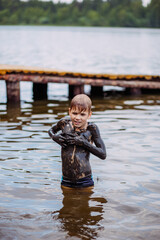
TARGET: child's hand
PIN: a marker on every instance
(77, 140)
(62, 140)
(59, 139)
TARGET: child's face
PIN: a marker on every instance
(79, 118)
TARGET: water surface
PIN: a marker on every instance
(124, 203)
(82, 49)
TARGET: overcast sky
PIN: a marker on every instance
(145, 2)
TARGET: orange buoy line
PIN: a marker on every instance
(11, 69)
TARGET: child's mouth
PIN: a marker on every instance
(77, 123)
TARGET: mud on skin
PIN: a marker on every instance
(76, 148)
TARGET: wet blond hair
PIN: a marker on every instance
(81, 102)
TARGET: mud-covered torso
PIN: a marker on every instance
(75, 159)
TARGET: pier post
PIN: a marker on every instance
(75, 89)
(96, 91)
(40, 91)
(13, 91)
(134, 91)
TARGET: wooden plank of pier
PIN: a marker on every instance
(23, 70)
(40, 76)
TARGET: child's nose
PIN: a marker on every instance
(78, 116)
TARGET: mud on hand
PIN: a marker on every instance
(76, 140)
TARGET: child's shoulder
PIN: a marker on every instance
(92, 126)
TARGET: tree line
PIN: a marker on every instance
(115, 13)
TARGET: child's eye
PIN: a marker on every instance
(83, 114)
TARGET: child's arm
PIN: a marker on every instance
(58, 138)
(99, 149)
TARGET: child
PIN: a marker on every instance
(76, 138)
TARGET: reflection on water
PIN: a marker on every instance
(124, 203)
(81, 214)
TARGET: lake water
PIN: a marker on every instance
(100, 50)
(125, 202)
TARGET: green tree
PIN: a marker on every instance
(154, 13)
(124, 13)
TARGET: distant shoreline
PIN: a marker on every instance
(52, 25)
(89, 13)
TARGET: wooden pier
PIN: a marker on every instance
(76, 81)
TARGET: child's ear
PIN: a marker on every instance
(90, 114)
(69, 110)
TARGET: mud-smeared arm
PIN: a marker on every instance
(98, 150)
(58, 138)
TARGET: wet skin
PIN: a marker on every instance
(76, 147)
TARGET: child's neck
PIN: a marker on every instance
(80, 129)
